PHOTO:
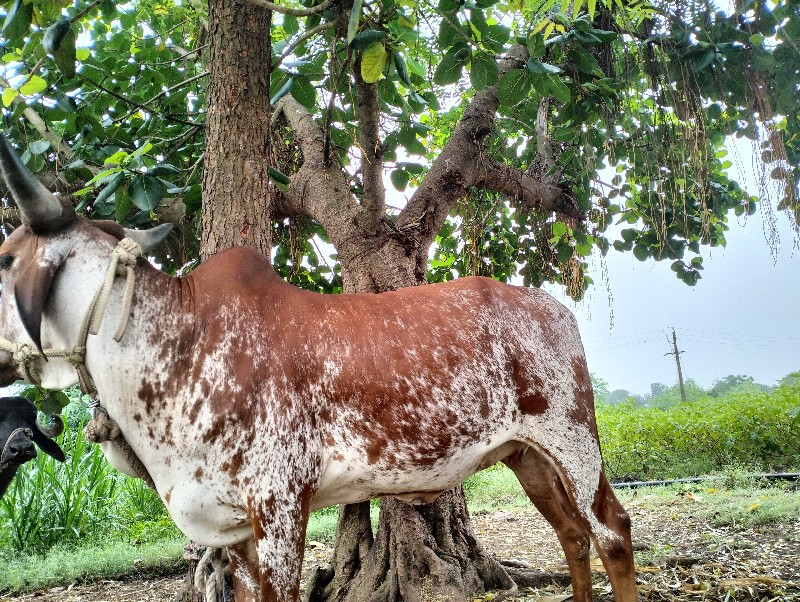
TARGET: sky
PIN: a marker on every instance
(740, 318)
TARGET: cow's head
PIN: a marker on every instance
(50, 270)
(19, 430)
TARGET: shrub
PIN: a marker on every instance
(745, 427)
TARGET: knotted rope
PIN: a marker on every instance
(123, 261)
(101, 429)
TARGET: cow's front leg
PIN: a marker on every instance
(244, 570)
(279, 528)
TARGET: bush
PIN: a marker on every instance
(745, 427)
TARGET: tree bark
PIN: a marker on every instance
(237, 208)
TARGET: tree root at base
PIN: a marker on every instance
(420, 554)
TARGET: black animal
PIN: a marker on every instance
(19, 430)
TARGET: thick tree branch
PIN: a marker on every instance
(462, 164)
(531, 192)
(317, 190)
(368, 115)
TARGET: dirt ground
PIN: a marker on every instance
(681, 557)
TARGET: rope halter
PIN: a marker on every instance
(122, 263)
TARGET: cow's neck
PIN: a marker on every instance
(155, 316)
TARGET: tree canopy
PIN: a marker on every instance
(583, 115)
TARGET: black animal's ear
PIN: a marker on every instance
(48, 446)
(31, 289)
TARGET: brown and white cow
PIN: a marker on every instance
(251, 402)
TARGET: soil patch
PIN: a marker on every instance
(681, 557)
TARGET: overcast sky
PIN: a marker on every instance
(741, 318)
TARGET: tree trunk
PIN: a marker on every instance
(237, 205)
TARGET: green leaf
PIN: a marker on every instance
(641, 252)
(703, 60)
(164, 169)
(373, 61)
(559, 229)
(278, 176)
(558, 88)
(66, 55)
(304, 92)
(110, 189)
(146, 191)
(33, 86)
(18, 20)
(537, 67)
(9, 94)
(584, 61)
(399, 179)
(122, 204)
(366, 38)
(536, 47)
(352, 24)
(514, 86)
(483, 72)
(37, 147)
(586, 37)
(82, 54)
(400, 66)
(591, 5)
(282, 92)
(451, 65)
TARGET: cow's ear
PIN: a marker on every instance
(48, 446)
(31, 289)
(149, 239)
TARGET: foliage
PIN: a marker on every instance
(755, 429)
(600, 388)
(89, 561)
(732, 382)
(107, 101)
(672, 395)
(82, 500)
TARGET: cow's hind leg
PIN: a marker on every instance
(544, 488)
(585, 505)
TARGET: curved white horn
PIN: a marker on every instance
(36, 203)
(149, 239)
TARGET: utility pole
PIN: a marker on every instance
(677, 355)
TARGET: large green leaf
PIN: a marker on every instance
(146, 191)
(514, 86)
(373, 62)
(451, 66)
(483, 71)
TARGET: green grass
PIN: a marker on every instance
(63, 565)
(495, 488)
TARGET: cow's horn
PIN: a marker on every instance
(52, 431)
(36, 203)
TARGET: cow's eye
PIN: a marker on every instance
(6, 261)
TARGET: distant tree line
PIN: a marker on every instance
(664, 396)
